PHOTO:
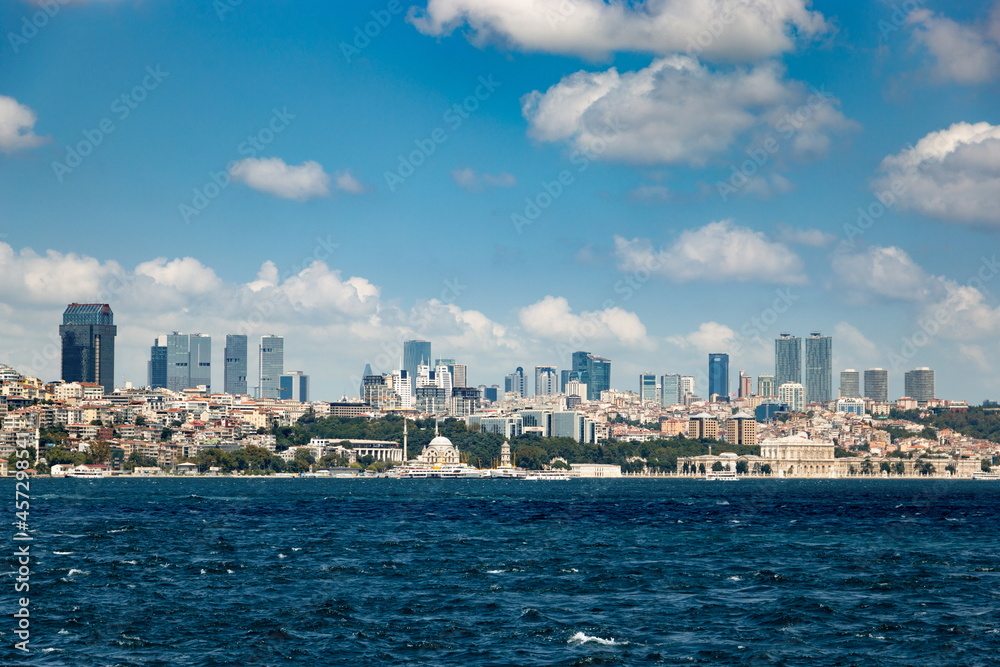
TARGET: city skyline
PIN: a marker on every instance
(318, 201)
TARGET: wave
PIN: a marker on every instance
(580, 638)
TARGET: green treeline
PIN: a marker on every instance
(976, 423)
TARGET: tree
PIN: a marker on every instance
(867, 467)
(951, 468)
(899, 467)
(166, 433)
(531, 457)
(766, 469)
(718, 467)
(100, 451)
(140, 421)
(741, 467)
(885, 467)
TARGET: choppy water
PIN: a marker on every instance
(491, 572)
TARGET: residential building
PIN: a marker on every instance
(766, 385)
(919, 385)
(850, 383)
(877, 385)
(546, 381)
(819, 368)
(703, 425)
(787, 359)
(741, 429)
(793, 395)
(516, 383)
(88, 344)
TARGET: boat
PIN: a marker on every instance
(986, 476)
(721, 476)
(548, 476)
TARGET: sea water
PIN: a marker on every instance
(258, 571)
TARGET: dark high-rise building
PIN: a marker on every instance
(592, 370)
(294, 386)
(189, 361)
(919, 384)
(877, 384)
(819, 368)
(718, 376)
(416, 353)
(158, 363)
(787, 359)
(235, 369)
(272, 366)
(88, 344)
(850, 383)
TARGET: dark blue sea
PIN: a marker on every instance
(508, 572)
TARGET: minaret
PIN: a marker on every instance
(505, 454)
(405, 457)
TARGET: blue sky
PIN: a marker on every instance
(653, 253)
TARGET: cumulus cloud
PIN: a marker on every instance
(473, 181)
(677, 111)
(718, 252)
(852, 344)
(951, 175)
(962, 53)
(553, 319)
(186, 275)
(708, 338)
(959, 310)
(727, 30)
(274, 176)
(17, 123)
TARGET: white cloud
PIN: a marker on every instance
(348, 182)
(718, 252)
(728, 30)
(852, 344)
(963, 53)
(553, 319)
(186, 275)
(951, 175)
(886, 272)
(815, 238)
(17, 124)
(677, 111)
(708, 338)
(471, 180)
(273, 176)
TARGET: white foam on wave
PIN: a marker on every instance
(63, 553)
(581, 638)
(494, 571)
(734, 578)
(75, 571)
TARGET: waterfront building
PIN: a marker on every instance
(850, 383)
(271, 365)
(294, 385)
(819, 368)
(766, 385)
(793, 395)
(440, 451)
(787, 359)
(877, 385)
(546, 381)
(718, 377)
(88, 344)
(234, 378)
(919, 385)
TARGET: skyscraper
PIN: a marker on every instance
(819, 368)
(294, 385)
(919, 384)
(592, 370)
(746, 383)
(88, 344)
(877, 384)
(793, 395)
(787, 359)
(546, 380)
(158, 363)
(189, 361)
(234, 379)
(415, 353)
(671, 390)
(516, 382)
(647, 387)
(272, 365)
(718, 376)
(850, 383)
